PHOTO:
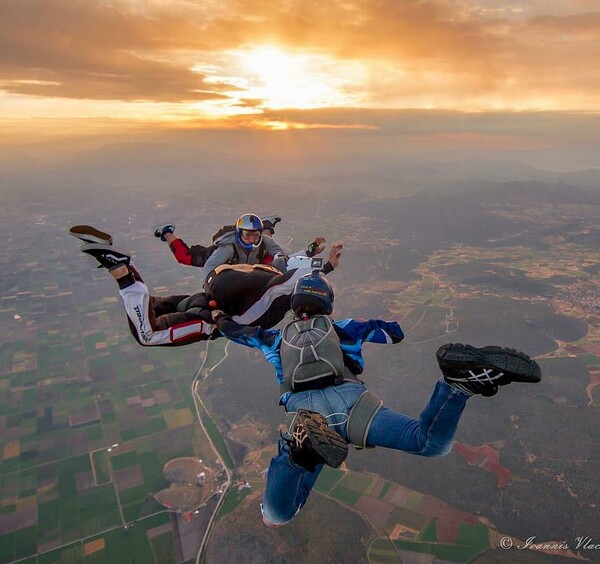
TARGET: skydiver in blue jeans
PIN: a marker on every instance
(317, 363)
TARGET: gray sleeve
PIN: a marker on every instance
(222, 255)
(272, 247)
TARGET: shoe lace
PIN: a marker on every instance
(292, 441)
(487, 376)
(299, 435)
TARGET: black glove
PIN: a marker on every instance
(312, 249)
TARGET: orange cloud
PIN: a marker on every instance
(468, 54)
(80, 49)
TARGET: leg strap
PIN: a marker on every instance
(360, 418)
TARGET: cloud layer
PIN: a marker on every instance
(466, 54)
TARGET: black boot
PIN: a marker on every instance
(106, 255)
(312, 442)
(481, 371)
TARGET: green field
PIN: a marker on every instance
(215, 353)
(217, 439)
(357, 481)
(232, 500)
(328, 478)
(345, 495)
(447, 552)
(101, 469)
(382, 551)
(113, 545)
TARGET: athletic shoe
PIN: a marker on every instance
(90, 234)
(270, 222)
(106, 255)
(313, 442)
(162, 230)
(481, 371)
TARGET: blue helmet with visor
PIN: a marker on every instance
(246, 227)
(312, 295)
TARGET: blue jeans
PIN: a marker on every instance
(288, 485)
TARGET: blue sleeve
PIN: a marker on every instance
(254, 337)
(371, 331)
(353, 333)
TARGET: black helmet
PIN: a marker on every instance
(312, 295)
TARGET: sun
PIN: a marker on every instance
(283, 79)
(270, 77)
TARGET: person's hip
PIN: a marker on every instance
(333, 402)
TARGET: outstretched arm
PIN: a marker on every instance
(190, 256)
(195, 255)
(370, 331)
(354, 332)
(254, 337)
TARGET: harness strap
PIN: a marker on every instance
(360, 418)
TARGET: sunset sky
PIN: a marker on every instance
(245, 63)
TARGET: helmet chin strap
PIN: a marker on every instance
(248, 247)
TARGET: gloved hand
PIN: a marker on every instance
(316, 247)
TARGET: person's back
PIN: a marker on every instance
(259, 295)
(311, 355)
(332, 412)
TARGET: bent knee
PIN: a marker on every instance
(273, 519)
(274, 522)
(272, 525)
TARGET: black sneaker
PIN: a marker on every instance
(312, 442)
(162, 230)
(90, 234)
(106, 255)
(270, 222)
(481, 371)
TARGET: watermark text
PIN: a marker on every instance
(579, 543)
